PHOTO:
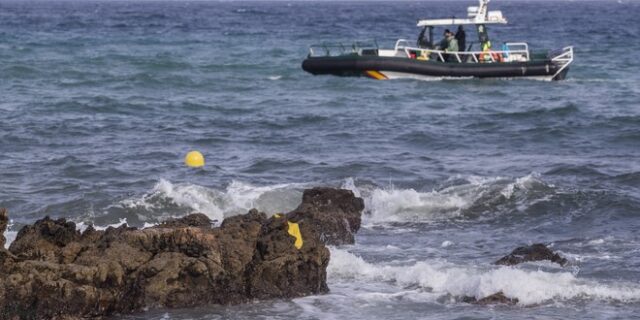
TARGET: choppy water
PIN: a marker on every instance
(101, 100)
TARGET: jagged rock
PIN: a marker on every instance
(53, 271)
(4, 221)
(44, 240)
(535, 252)
(496, 298)
(334, 214)
(192, 220)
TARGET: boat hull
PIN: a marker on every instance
(393, 68)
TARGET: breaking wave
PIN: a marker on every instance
(468, 197)
(442, 279)
(167, 199)
(457, 197)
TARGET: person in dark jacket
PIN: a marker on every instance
(444, 43)
(461, 36)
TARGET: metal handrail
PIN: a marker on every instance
(523, 44)
(404, 44)
(565, 58)
(355, 47)
(458, 54)
(398, 44)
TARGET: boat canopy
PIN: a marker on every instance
(475, 15)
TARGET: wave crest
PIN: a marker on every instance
(467, 197)
(441, 278)
(237, 198)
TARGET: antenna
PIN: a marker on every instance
(483, 7)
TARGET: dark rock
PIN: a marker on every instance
(535, 252)
(279, 267)
(496, 298)
(4, 221)
(44, 240)
(192, 220)
(334, 214)
(54, 271)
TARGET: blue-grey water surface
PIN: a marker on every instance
(101, 100)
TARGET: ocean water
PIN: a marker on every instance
(101, 100)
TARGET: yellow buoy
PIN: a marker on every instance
(194, 159)
(294, 230)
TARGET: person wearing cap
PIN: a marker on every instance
(451, 47)
(444, 43)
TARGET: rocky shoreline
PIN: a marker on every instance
(53, 271)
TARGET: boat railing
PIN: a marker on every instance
(329, 49)
(564, 58)
(514, 51)
(401, 43)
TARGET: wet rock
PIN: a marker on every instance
(279, 267)
(192, 220)
(535, 252)
(333, 214)
(496, 298)
(44, 240)
(53, 271)
(4, 221)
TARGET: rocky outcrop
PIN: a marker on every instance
(192, 220)
(535, 252)
(52, 270)
(496, 298)
(333, 214)
(4, 221)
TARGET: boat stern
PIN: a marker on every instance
(562, 58)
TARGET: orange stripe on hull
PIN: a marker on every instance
(376, 75)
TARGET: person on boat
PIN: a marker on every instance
(461, 36)
(452, 47)
(444, 43)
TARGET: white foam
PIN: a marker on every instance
(350, 184)
(408, 204)
(595, 242)
(238, 198)
(81, 226)
(149, 225)
(446, 243)
(399, 205)
(529, 287)
(275, 77)
(10, 236)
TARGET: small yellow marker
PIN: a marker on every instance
(194, 159)
(294, 230)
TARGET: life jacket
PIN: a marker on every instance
(424, 55)
(486, 52)
(497, 56)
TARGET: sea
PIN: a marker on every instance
(101, 100)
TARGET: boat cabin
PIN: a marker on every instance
(478, 17)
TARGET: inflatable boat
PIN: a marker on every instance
(424, 59)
